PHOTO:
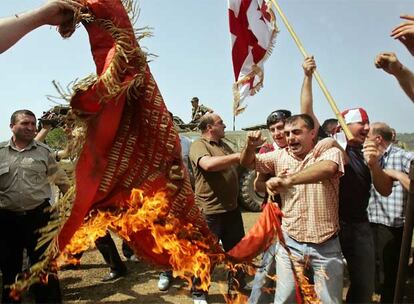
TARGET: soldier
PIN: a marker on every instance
(25, 192)
(198, 110)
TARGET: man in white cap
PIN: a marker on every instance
(361, 171)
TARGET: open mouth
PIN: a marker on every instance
(294, 146)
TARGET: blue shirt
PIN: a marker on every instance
(389, 211)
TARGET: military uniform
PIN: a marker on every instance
(25, 192)
(198, 112)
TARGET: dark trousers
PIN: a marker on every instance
(106, 246)
(17, 232)
(228, 227)
(357, 246)
(126, 250)
(387, 241)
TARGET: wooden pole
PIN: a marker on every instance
(406, 241)
(325, 91)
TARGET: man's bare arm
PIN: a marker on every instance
(218, 163)
(259, 183)
(390, 64)
(306, 96)
(55, 12)
(402, 177)
(319, 171)
(248, 154)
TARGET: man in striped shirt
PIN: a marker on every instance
(308, 186)
(387, 214)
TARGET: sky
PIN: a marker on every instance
(193, 46)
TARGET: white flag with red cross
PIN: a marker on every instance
(253, 31)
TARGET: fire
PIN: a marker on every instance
(307, 290)
(237, 298)
(189, 256)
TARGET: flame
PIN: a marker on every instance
(190, 254)
(189, 251)
(237, 298)
(307, 290)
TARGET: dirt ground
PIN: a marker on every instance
(140, 285)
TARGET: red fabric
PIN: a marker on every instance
(260, 236)
(129, 144)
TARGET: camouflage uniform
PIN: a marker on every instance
(198, 112)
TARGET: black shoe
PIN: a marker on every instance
(113, 275)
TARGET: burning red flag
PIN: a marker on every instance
(130, 143)
(253, 30)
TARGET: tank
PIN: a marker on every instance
(248, 198)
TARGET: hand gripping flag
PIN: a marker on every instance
(253, 31)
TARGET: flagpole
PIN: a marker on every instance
(318, 78)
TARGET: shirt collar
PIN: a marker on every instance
(212, 142)
(387, 151)
(32, 144)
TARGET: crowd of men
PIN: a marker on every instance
(342, 202)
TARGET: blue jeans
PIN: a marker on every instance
(357, 244)
(325, 260)
(261, 278)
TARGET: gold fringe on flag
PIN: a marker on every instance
(125, 58)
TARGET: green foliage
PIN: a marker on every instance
(56, 139)
(407, 139)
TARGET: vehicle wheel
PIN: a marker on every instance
(248, 198)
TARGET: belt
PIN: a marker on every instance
(41, 207)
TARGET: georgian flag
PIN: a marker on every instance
(253, 31)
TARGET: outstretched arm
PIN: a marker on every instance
(55, 12)
(390, 64)
(306, 97)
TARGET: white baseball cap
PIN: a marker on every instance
(355, 115)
